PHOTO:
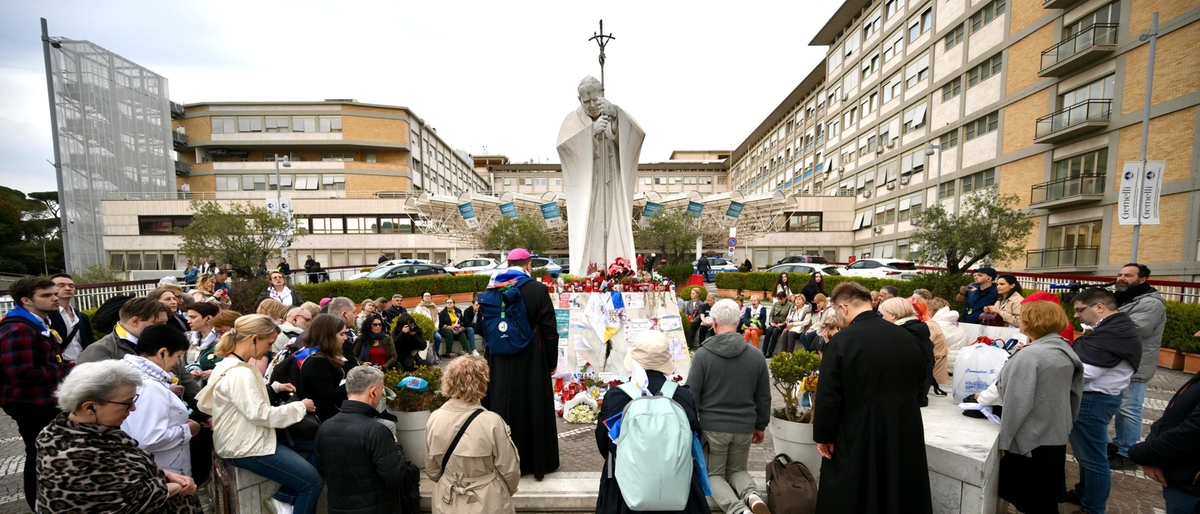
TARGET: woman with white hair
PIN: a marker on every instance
(899, 311)
(86, 463)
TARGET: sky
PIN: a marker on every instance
(492, 77)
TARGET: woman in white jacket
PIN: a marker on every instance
(244, 421)
(947, 320)
(160, 422)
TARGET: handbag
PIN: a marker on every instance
(991, 319)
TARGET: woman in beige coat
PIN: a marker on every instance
(483, 471)
(1008, 306)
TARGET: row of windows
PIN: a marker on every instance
(388, 224)
(233, 125)
(287, 182)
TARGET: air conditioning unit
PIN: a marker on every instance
(879, 150)
(904, 180)
(891, 186)
(892, 143)
(877, 230)
(845, 97)
(867, 193)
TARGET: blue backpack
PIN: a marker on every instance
(503, 321)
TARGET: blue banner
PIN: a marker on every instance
(508, 209)
(732, 214)
(552, 215)
(468, 213)
(695, 209)
(651, 209)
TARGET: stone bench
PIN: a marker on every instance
(964, 465)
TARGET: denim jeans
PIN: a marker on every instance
(1089, 443)
(437, 343)
(1180, 502)
(1129, 417)
(300, 484)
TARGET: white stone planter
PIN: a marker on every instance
(796, 440)
(410, 433)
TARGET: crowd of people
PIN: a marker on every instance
(293, 392)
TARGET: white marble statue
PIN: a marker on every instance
(598, 146)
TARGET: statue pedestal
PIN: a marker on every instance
(964, 464)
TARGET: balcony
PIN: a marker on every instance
(1059, 4)
(1086, 47)
(182, 169)
(176, 111)
(1068, 191)
(179, 138)
(1074, 121)
(1082, 257)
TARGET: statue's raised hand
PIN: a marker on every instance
(607, 108)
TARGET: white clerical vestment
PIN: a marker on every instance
(599, 180)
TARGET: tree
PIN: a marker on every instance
(525, 231)
(671, 233)
(986, 228)
(241, 237)
(29, 235)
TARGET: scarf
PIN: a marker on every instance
(280, 295)
(1127, 295)
(42, 328)
(377, 337)
(151, 370)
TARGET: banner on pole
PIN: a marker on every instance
(733, 213)
(468, 213)
(552, 215)
(695, 209)
(1126, 193)
(1152, 191)
(508, 209)
(651, 209)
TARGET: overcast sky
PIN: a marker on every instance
(488, 75)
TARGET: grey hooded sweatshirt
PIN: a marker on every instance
(1149, 312)
(731, 384)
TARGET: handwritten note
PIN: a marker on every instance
(634, 300)
(635, 327)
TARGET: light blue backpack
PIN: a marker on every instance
(654, 461)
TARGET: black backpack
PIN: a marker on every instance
(410, 487)
(791, 488)
(109, 313)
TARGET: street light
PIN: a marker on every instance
(929, 150)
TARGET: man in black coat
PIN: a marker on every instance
(363, 465)
(867, 424)
(1170, 455)
(703, 267)
(519, 389)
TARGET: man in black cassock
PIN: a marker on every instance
(867, 423)
(520, 389)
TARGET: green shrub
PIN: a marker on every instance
(423, 323)
(679, 272)
(1183, 319)
(686, 293)
(727, 280)
(409, 287)
(415, 401)
(941, 284)
(788, 369)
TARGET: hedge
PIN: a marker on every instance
(1183, 319)
(679, 272)
(409, 287)
(686, 293)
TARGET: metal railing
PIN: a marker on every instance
(1082, 112)
(1060, 257)
(1086, 184)
(1098, 34)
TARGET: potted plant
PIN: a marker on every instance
(791, 427)
(1170, 358)
(412, 408)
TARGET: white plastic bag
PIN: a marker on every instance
(956, 339)
(977, 367)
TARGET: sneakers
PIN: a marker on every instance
(1121, 462)
(280, 507)
(757, 505)
(1072, 496)
(474, 353)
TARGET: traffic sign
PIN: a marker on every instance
(731, 250)
(733, 241)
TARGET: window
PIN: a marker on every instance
(862, 219)
(539, 181)
(916, 71)
(360, 225)
(321, 225)
(949, 140)
(870, 66)
(850, 117)
(849, 81)
(331, 123)
(954, 37)
(835, 58)
(946, 190)
(254, 124)
(1107, 14)
(307, 183)
(229, 183)
(1091, 163)
(914, 161)
(914, 118)
(871, 26)
(893, 7)
(911, 207)
(337, 157)
(985, 16)
(866, 182)
(254, 183)
(885, 214)
(395, 225)
(304, 124)
(983, 179)
(335, 182)
(161, 225)
(803, 222)
(985, 70)
(277, 124)
(1081, 235)
(223, 126)
(982, 125)
(851, 44)
(891, 88)
(1101, 89)
(285, 179)
(835, 128)
(371, 157)
(920, 24)
(952, 89)
(893, 46)
(720, 181)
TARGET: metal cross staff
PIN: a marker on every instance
(601, 39)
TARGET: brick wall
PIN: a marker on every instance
(1171, 139)
(1020, 121)
(1016, 177)
(374, 129)
(1141, 11)
(376, 183)
(1176, 68)
(1157, 243)
(1025, 58)
(1023, 13)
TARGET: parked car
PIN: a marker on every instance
(881, 268)
(407, 270)
(716, 265)
(808, 259)
(538, 263)
(387, 264)
(564, 263)
(475, 264)
(825, 269)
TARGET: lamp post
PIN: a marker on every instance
(279, 189)
(929, 150)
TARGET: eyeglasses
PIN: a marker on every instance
(376, 324)
(128, 405)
